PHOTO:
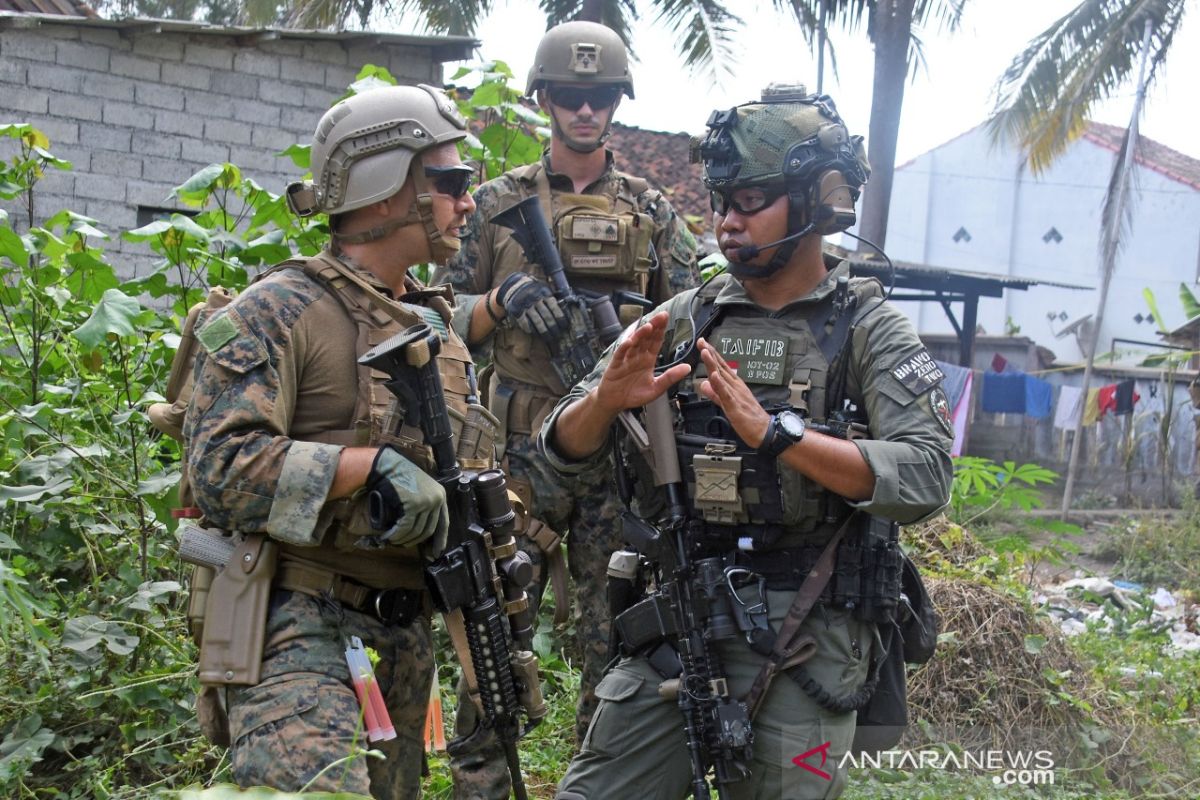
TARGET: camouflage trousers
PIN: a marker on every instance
(587, 507)
(636, 746)
(304, 715)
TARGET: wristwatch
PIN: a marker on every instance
(786, 429)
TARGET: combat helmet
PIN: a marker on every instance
(580, 52)
(792, 141)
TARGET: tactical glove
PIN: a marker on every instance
(531, 305)
(405, 504)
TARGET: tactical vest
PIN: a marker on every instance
(377, 417)
(605, 244)
(787, 362)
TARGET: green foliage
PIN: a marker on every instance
(1160, 551)
(506, 133)
(982, 486)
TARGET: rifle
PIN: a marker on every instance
(478, 582)
(699, 611)
(592, 320)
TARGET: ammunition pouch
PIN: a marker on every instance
(597, 243)
(729, 483)
(645, 624)
(235, 623)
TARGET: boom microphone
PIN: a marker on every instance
(750, 251)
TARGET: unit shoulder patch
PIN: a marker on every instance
(919, 372)
(941, 409)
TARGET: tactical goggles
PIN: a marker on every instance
(572, 98)
(454, 181)
(746, 201)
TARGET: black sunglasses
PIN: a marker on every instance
(454, 181)
(572, 98)
(746, 201)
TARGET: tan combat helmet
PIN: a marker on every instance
(580, 52)
(364, 145)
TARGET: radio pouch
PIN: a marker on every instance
(236, 623)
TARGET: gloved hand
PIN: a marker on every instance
(406, 505)
(531, 305)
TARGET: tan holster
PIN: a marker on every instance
(235, 625)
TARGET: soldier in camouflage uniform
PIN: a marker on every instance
(286, 435)
(786, 346)
(615, 233)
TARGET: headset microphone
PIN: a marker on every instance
(750, 251)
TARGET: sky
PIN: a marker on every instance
(949, 96)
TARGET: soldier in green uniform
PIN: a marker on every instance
(788, 348)
(615, 234)
(286, 434)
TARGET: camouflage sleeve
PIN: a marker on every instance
(911, 432)
(246, 472)
(469, 272)
(676, 249)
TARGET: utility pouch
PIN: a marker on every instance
(236, 620)
(881, 568)
(646, 623)
(475, 436)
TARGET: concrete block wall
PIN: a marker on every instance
(138, 112)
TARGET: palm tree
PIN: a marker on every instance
(704, 27)
(890, 26)
(1046, 95)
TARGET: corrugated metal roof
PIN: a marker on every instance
(931, 275)
(65, 8)
(444, 48)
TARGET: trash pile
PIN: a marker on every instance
(1080, 601)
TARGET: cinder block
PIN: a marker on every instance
(283, 47)
(320, 99)
(84, 56)
(127, 114)
(59, 131)
(165, 46)
(114, 218)
(208, 56)
(200, 151)
(101, 137)
(272, 138)
(359, 53)
(173, 122)
(224, 130)
(300, 120)
(147, 193)
(167, 170)
(169, 97)
(97, 187)
(142, 69)
(47, 205)
(106, 162)
(258, 159)
(188, 75)
(108, 87)
(325, 52)
(255, 111)
(299, 70)
(74, 106)
(33, 101)
(78, 157)
(52, 76)
(280, 93)
(12, 71)
(56, 181)
(207, 104)
(153, 143)
(27, 44)
(236, 85)
(256, 62)
(338, 79)
(105, 37)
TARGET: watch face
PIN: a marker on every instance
(792, 424)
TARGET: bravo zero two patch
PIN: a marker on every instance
(919, 372)
(756, 359)
(941, 409)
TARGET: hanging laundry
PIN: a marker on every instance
(999, 362)
(1127, 397)
(956, 379)
(1066, 413)
(1107, 399)
(1091, 407)
(962, 412)
(1038, 394)
(1004, 392)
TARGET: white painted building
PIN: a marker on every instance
(971, 206)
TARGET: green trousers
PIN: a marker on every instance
(636, 745)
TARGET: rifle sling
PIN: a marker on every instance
(789, 646)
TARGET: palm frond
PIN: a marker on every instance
(705, 29)
(1116, 200)
(1044, 98)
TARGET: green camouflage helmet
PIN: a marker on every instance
(580, 52)
(787, 136)
(364, 146)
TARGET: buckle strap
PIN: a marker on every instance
(391, 606)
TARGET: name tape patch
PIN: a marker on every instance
(756, 359)
(919, 372)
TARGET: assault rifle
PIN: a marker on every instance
(695, 607)
(592, 322)
(478, 582)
